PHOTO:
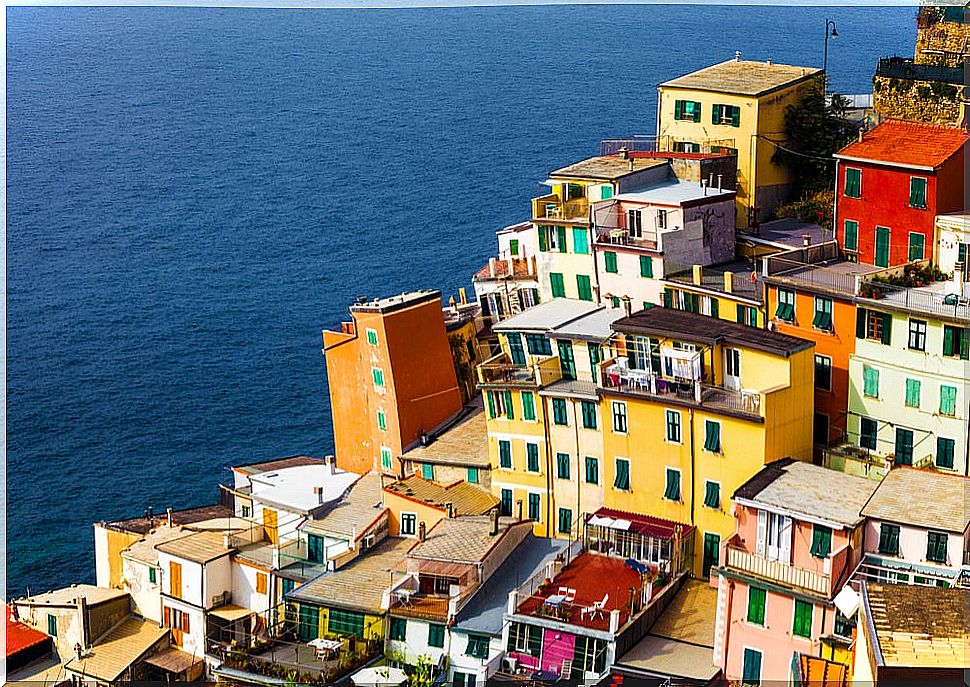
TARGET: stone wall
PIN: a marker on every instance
(918, 101)
(937, 33)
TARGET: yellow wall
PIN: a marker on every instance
(727, 304)
(118, 541)
(397, 504)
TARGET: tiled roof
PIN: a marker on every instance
(907, 143)
(919, 626)
(121, 647)
(463, 540)
(922, 498)
(361, 583)
(465, 443)
(810, 490)
(465, 498)
(742, 77)
(606, 168)
(20, 636)
(199, 547)
(692, 327)
(355, 512)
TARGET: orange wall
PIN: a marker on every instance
(838, 345)
(397, 504)
(420, 387)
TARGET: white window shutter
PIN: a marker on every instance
(762, 532)
(785, 543)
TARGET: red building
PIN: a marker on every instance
(891, 184)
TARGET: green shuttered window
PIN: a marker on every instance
(562, 465)
(584, 288)
(672, 489)
(889, 539)
(609, 259)
(557, 285)
(917, 192)
(505, 454)
(559, 411)
(802, 626)
(823, 314)
(528, 406)
(756, 605)
(592, 470)
(917, 246)
(580, 241)
(853, 182)
(850, 238)
(821, 541)
(912, 393)
(589, 415)
(712, 495)
(646, 267)
(904, 446)
(944, 452)
(870, 381)
(786, 305)
(399, 629)
(622, 480)
(532, 457)
(948, 400)
(712, 436)
(936, 547)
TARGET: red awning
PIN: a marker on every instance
(636, 522)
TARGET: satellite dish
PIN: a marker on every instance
(847, 601)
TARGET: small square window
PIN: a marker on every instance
(372, 337)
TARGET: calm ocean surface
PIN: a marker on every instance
(193, 194)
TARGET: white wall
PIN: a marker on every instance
(481, 668)
(244, 588)
(416, 642)
(912, 544)
(193, 641)
(101, 557)
(145, 595)
(217, 579)
(192, 591)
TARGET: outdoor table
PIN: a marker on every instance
(555, 600)
(325, 647)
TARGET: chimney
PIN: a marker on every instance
(728, 282)
(494, 515)
(719, 178)
(631, 164)
(710, 179)
(698, 275)
(624, 154)
(861, 135)
(737, 55)
(227, 540)
(422, 531)
(318, 492)
(168, 516)
(768, 62)
(77, 651)
(806, 240)
(491, 267)
(332, 460)
(627, 305)
(82, 612)
(511, 265)
(704, 186)
(450, 507)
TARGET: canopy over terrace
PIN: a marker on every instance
(666, 544)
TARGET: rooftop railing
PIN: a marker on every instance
(552, 207)
(500, 371)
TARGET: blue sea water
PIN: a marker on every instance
(193, 194)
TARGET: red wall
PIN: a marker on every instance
(885, 203)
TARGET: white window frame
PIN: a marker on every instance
(634, 223)
(626, 418)
(662, 219)
(680, 425)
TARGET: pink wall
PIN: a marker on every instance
(775, 639)
(556, 648)
(912, 543)
(526, 661)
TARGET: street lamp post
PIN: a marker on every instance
(829, 31)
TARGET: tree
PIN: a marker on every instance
(814, 130)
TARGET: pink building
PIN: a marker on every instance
(797, 541)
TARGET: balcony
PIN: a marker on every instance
(616, 374)
(502, 372)
(775, 571)
(552, 207)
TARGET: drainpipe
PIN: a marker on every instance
(579, 482)
(690, 416)
(545, 433)
(835, 203)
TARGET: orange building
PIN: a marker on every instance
(391, 376)
(810, 294)
(414, 501)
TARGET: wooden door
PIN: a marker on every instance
(175, 579)
(270, 523)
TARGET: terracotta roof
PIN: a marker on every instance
(463, 540)
(361, 583)
(898, 495)
(649, 525)
(919, 626)
(907, 143)
(121, 647)
(743, 77)
(20, 636)
(465, 498)
(465, 444)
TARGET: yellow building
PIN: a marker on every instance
(542, 416)
(739, 106)
(565, 263)
(731, 291)
(694, 407)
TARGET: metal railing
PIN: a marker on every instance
(791, 575)
(934, 302)
(659, 144)
(499, 370)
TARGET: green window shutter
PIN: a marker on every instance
(917, 245)
(509, 411)
(904, 446)
(751, 672)
(716, 114)
(580, 241)
(912, 393)
(532, 455)
(949, 334)
(821, 541)
(584, 288)
(870, 381)
(735, 116)
(505, 454)
(741, 314)
(534, 507)
(850, 239)
(887, 328)
(592, 470)
(543, 246)
(715, 306)
(853, 183)
(756, 605)
(678, 109)
(589, 415)
(609, 258)
(917, 192)
(528, 406)
(559, 411)
(472, 476)
(427, 471)
(52, 625)
(491, 403)
(436, 635)
(697, 112)
(557, 284)
(668, 298)
(860, 323)
(672, 490)
(565, 521)
(802, 627)
(944, 452)
(562, 239)
(151, 575)
(936, 547)
(606, 192)
(622, 479)
(882, 247)
(712, 436)
(562, 465)
(712, 495)
(398, 629)
(948, 400)
(646, 267)
(965, 344)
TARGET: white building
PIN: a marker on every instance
(508, 283)
(953, 242)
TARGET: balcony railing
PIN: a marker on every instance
(500, 371)
(552, 207)
(616, 375)
(790, 575)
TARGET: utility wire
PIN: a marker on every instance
(794, 152)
